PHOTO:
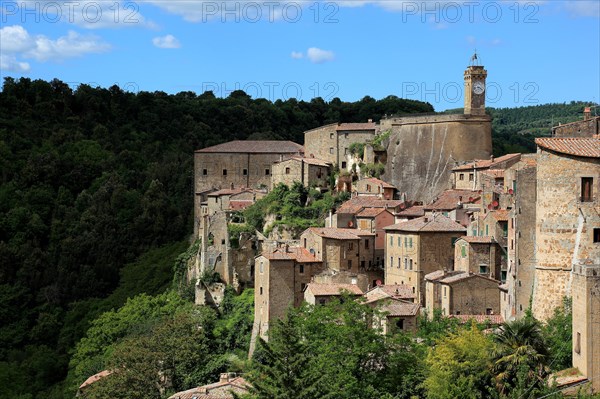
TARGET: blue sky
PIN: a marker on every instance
(535, 51)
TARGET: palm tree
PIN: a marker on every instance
(521, 352)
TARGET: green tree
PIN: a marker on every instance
(558, 333)
(459, 366)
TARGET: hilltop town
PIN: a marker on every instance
(428, 221)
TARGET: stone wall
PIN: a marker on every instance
(564, 225)
(329, 144)
(423, 150)
(477, 255)
(474, 295)
(584, 128)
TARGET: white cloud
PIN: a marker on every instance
(297, 55)
(584, 8)
(10, 63)
(168, 41)
(318, 56)
(16, 43)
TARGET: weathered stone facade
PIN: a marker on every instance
(310, 172)
(478, 255)
(468, 294)
(585, 128)
(567, 212)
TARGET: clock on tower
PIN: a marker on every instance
(475, 76)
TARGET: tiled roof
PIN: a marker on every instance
(580, 146)
(479, 318)
(486, 163)
(464, 276)
(229, 191)
(256, 146)
(339, 234)
(417, 210)
(500, 215)
(354, 205)
(310, 161)
(478, 239)
(356, 126)
(299, 254)
(218, 390)
(319, 289)
(378, 182)
(449, 199)
(238, 205)
(95, 378)
(439, 274)
(399, 308)
(370, 212)
(396, 291)
(428, 224)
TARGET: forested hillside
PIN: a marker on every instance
(93, 178)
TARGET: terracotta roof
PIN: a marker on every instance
(299, 254)
(370, 212)
(417, 210)
(439, 274)
(378, 182)
(464, 276)
(580, 146)
(95, 377)
(449, 199)
(479, 318)
(398, 308)
(486, 163)
(356, 204)
(313, 161)
(339, 234)
(428, 224)
(229, 191)
(478, 239)
(396, 291)
(356, 126)
(500, 215)
(218, 390)
(319, 289)
(238, 205)
(255, 146)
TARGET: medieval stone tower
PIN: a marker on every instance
(423, 149)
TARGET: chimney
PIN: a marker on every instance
(587, 113)
(224, 377)
(370, 120)
(287, 248)
(492, 158)
(232, 186)
(426, 219)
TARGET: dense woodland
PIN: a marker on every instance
(96, 207)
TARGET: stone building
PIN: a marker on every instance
(460, 293)
(320, 294)
(332, 142)
(442, 142)
(455, 204)
(281, 276)
(395, 315)
(520, 179)
(229, 383)
(311, 172)
(495, 224)
(375, 187)
(478, 255)
(468, 176)
(567, 216)
(588, 127)
(374, 220)
(345, 216)
(418, 247)
(237, 163)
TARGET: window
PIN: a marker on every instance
(391, 241)
(345, 151)
(587, 189)
(366, 244)
(368, 188)
(349, 264)
(578, 343)
(362, 264)
(410, 264)
(305, 242)
(391, 261)
(350, 246)
(461, 176)
(400, 324)
(287, 171)
(331, 150)
(346, 135)
(504, 229)
(260, 290)
(503, 276)
(399, 241)
(483, 269)
(302, 287)
(596, 235)
(445, 292)
(222, 241)
(245, 172)
(224, 172)
(463, 251)
(487, 230)
(400, 263)
(301, 268)
(330, 136)
(204, 172)
(489, 311)
(267, 172)
(410, 242)
(344, 165)
(321, 301)
(261, 268)
(471, 177)
(405, 263)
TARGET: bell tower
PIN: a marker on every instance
(475, 76)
